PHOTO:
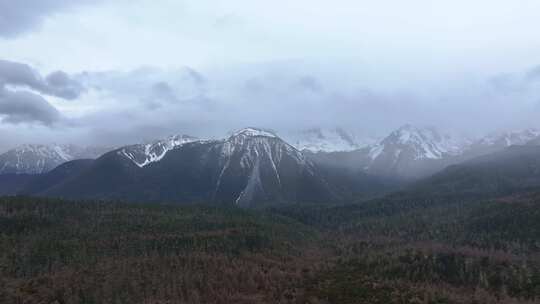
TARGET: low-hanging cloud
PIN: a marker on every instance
(533, 74)
(18, 17)
(147, 103)
(21, 88)
(150, 88)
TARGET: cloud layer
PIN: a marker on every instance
(120, 107)
(204, 67)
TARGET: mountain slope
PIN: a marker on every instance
(514, 169)
(11, 184)
(55, 177)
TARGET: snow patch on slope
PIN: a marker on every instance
(145, 154)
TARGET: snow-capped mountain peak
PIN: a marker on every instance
(264, 159)
(255, 143)
(252, 132)
(409, 150)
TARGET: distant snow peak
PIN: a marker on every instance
(328, 140)
(55, 151)
(434, 144)
(36, 158)
(423, 143)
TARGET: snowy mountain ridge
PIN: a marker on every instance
(412, 151)
(145, 154)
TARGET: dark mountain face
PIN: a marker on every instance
(258, 166)
(11, 184)
(514, 169)
(250, 166)
(56, 177)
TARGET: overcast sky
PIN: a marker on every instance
(114, 72)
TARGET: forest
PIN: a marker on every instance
(393, 250)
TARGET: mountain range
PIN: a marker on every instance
(251, 166)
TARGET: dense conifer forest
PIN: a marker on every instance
(391, 250)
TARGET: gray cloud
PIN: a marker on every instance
(151, 87)
(15, 73)
(62, 85)
(18, 107)
(20, 86)
(281, 69)
(18, 17)
(57, 84)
